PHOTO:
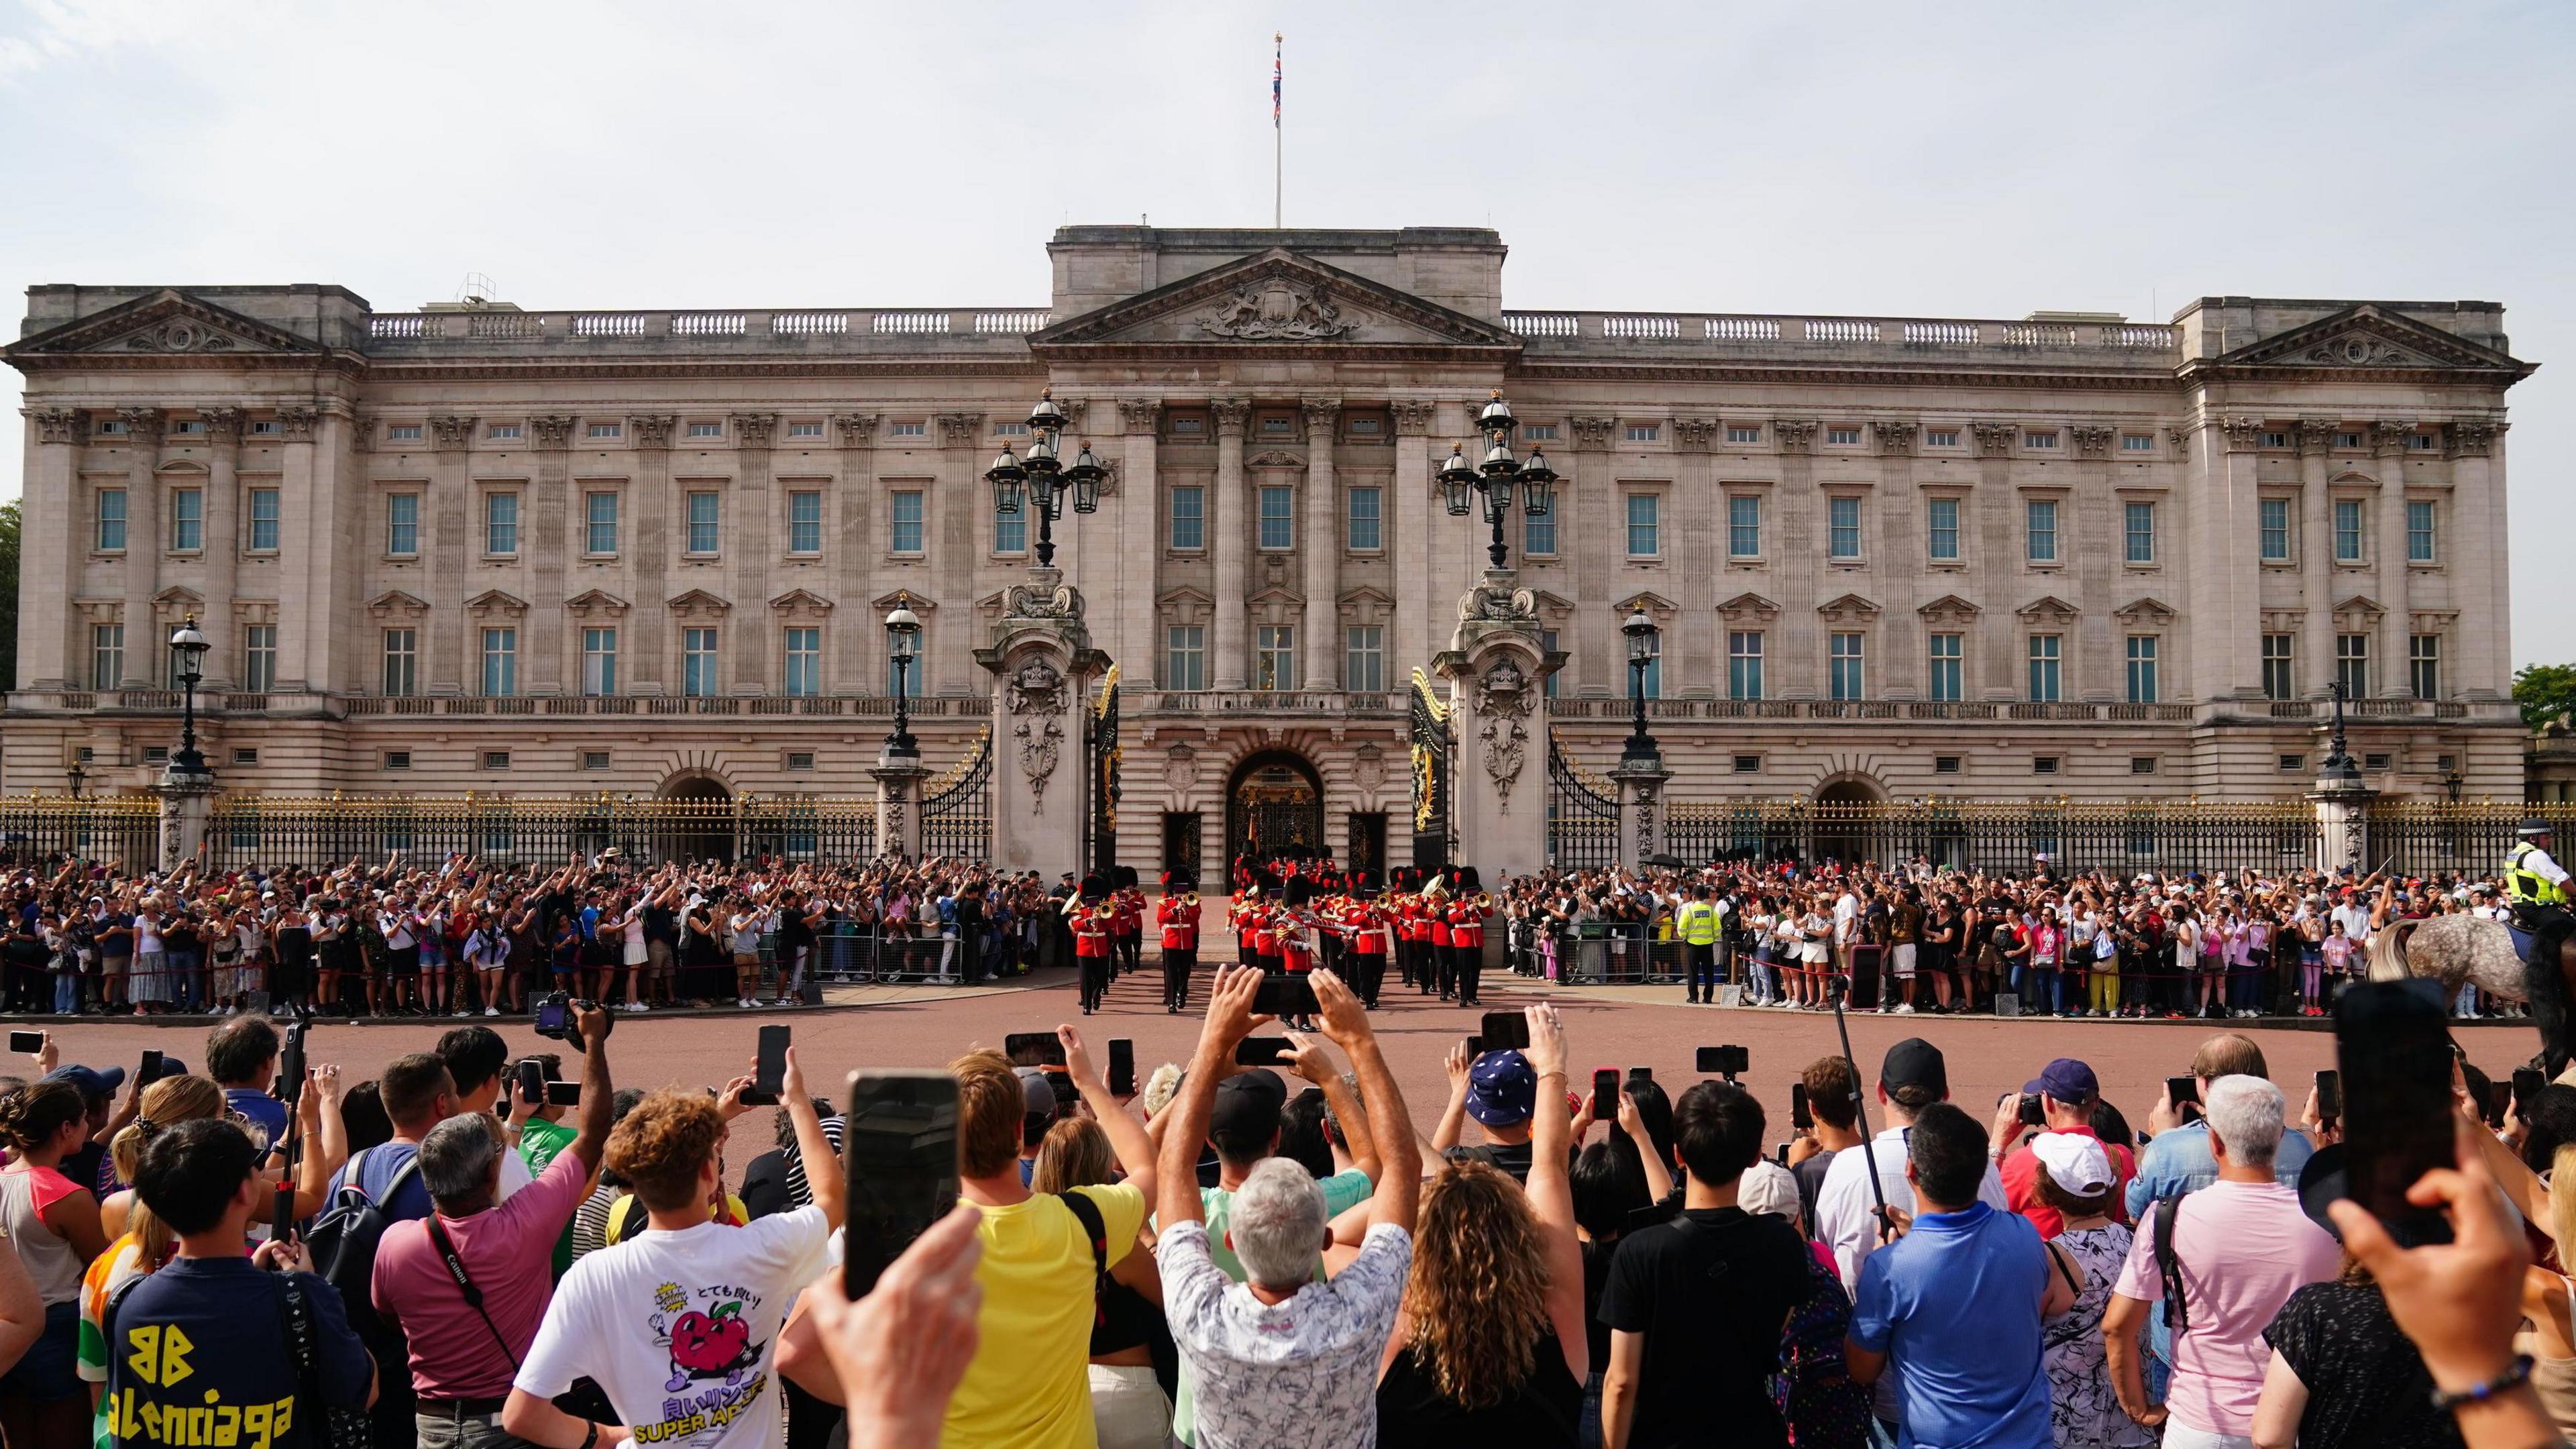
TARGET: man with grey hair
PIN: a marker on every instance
(467, 1339)
(1284, 1359)
(2222, 1261)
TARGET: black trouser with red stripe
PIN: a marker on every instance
(1131, 951)
(1468, 965)
(1178, 963)
(1095, 979)
(1368, 976)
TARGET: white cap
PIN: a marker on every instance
(1767, 1187)
(2075, 1161)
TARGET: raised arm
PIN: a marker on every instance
(1229, 1020)
(590, 1138)
(813, 1149)
(1399, 1183)
(1551, 1189)
(1453, 1118)
(1127, 1139)
(1316, 1066)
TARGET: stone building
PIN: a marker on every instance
(473, 547)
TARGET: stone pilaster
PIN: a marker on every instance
(1323, 544)
(649, 534)
(1229, 523)
(2314, 662)
(1140, 501)
(56, 535)
(857, 644)
(227, 534)
(1044, 668)
(145, 538)
(752, 554)
(1496, 668)
(2389, 440)
(960, 498)
(1415, 517)
(1643, 786)
(305, 592)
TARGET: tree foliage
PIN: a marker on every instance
(2544, 691)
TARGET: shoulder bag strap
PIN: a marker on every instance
(473, 1296)
(1096, 1232)
(2169, 1265)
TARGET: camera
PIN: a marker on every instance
(554, 1019)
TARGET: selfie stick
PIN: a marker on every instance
(290, 1071)
(1835, 987)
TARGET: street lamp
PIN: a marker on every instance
(77, 775)
(1641, 633)
(1043, 478)
(188, 651)
(903, 645)
(2452, 783)
(1501, 478)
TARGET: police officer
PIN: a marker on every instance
(2536, 887)
(1697, 925)
(2532, 881)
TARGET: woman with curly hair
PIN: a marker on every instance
(1489, 1347)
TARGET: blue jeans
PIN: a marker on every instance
(66, 992)
(185, 969)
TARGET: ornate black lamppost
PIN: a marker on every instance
(903, 645)
(2338, 764)
(77, 775)
(1501, 478)
(1641, 633)
(1044, 477)
(188, 652)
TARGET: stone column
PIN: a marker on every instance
(2314, 663)
(53, 538)
(1323, 546)
(1904, 550)
(1229, 525)
(2097, 667)
(1642, 786)
(144, 542)
(857, 643)
(1691, 661)
(1140, 494)
(187, 808)
(2473, 557)
(1797, 553)
(648, 653)
(1591, 533)
(305, 617)
(898, 780)
(1997, 515)
(1497, 669)
(1044, 667)
(1413, 516)
(751, 555)
(2388, 440)
(2343, 811)
(227, 534)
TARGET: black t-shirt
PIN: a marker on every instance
(204, 1342)
(661, 923)
(764, 1186)
(1543, 1411)
(1710, 1291)
(1597, 1257)
(2367, 1388)
(1811, 1181)
(1513, 1158)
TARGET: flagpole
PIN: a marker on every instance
(1278, 41)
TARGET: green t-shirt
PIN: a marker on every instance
(1343, 1191)
(540, 1142)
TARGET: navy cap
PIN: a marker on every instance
(91, 1081)
(2066, 1079)
(1246, 1109)
(1502, 1090)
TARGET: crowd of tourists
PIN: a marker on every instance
(1917, 938)
(1266, 1255)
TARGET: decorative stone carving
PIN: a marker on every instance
(1995, 440)
(2391, 435)
(858, 430)
(892, 809)
(1042, 601)
(1794, 435)
(1412, 417)
(143, 425)
(223, 425)
(2472, 437)
(1075, 409)
(1896, 440)
(1140, 414)
(2356, 350)
(653, 430)
(2092, 442)
(1644, 810)
(58, 425)
(1592, 432)
(1181, 770)
(2181, 439)
(1231, 414)
(296, 423)
(2244, 435)
(1494, 601)
(450, 430)
(1368, 767)
(1504, 700)
(179, 334)
(755, 429)
(961, 430)
(1034, 697)
(2316, 435)
(1323, 416)
(1275, 309)
(1694, 434)
(1274, 459)
(552, 431)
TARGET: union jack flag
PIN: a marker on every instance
(1279, 41)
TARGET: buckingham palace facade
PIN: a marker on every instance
(479, 548)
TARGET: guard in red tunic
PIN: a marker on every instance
(1265, 937)
(1127, 923)
(1177, 914)
(1466, 918)
(1369, 937)
(1444, 966)
(1243, 919)
(1090, 916)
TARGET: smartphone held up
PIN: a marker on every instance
(900, 1151)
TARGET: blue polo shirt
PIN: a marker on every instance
(1955, 1306)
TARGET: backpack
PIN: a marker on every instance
(2169, 1266)
(343, 1242)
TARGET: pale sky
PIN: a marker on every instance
(1900, 159)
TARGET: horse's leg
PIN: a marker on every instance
(2550, 987)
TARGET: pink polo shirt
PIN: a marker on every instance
(2244, 1248)
(509, 1253)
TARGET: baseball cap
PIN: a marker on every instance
(1501, 1089)
(1040, 1096)
(1767, 1187)
(2075, 1162)
(91, 1081)
(1247, 1107)
(2066, 1079)
(1915, 1062)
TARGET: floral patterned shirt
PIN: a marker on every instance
(1295, 1375)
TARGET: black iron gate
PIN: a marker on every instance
(1433, 755)
(957, 807)
(1582, 814)
(1104, 774)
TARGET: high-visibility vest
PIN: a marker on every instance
(1697, 923)
(2529, 887)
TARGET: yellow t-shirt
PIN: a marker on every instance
(1028, 1387)
(733, 1216)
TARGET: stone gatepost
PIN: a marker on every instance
(187, 811)
(898, 780)
(1497, 666)
(1642, 782)
(1044, 667)
(2342, 801)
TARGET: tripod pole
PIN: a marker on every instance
(1835, 987)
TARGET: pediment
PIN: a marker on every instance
(1749, 605)
(1849, 606)
(802, 601)
(698, 601)
(2371, 338)
(2360, 606)
(596, 601)
(495, 601)
(1949, 607)
(906, 599)
(179, 596)
(1552, 604)
(2144, 611)
(2048, 608)
(1273, 300)
(1186, 596)
(1276, 595)
(165, 323)
(396, 602)
(1366, 595)
(1648, 600)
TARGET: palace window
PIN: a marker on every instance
(2352, 664)
(402, 433)
(594, 759)
(1274, 657)
(2137, 443)
(1185, 656)
(2347, 530)
(2042, 441)
(1847, 680)
(2280, 667)
(1011, 531)
(706, 522)
(599, 661)
(907, 430)
(2039, 531)
(2138, 532)
(903, 521)
(263, 520)
(706, 430)
(1278, 516)
(805, 522)
(1644, 432)
(1744, 664)
(2142, 669)
(1538, 535)
(2424, 665)
(109, 536)
(402, 524)
(1743, 525)
(106, 655)
(1532, 432)
(265, 428)
(1941, 529)
(1645, 531)
(1948, 663)
(2419, 530)
(2274, 515)
(605, 430)
(698, 677)
(501, 661)
(813, 430)
(2276, 440)
(1842, 437)
(1743, 432)
(804, 675)
(1189, 518)
(502, 432)
(1365, 530)
(401, 662)
(501, 523)
(2047, 653)
(599, 523)
(187, 519)
(1843, 527)
(1364, 659)
(1654, 686)
(914, 677)
(259, 658)
(1940, 437)
(2348, 440)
